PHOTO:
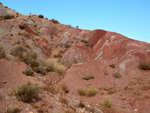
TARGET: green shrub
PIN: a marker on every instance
(145, 65)
(117, 75)
(112, 65)
(92, 92)
(2, 53)
(27, 92)
(82, 92)
(28, 73)
(13, 109)
(88, 77)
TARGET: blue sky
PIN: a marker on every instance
(127, 17)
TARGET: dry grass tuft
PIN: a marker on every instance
(51, 64)
(82, 92)
(106, 103)
(60, 69)
(92, 92)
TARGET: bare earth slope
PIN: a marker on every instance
(110, 58)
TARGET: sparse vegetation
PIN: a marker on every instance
(13, 109)
(27, 92)
(25, 55)
(117, 75)
(28, 73)
(88, 77)
(82, 91)
(2, 53)
(145, 65)
(112, 65)
(92, 92)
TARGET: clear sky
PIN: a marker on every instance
(127, 17)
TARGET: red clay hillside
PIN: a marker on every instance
(48, 67)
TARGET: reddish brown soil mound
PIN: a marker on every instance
(96, 35)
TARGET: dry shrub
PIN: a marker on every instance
(107, 105)
(112, 65)
(41, 16)
(65, 88)
(27, 92)
(8, 16)
(2, 53)
(145, 65)
(54, 21)
(117, 75)
(88, 77)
